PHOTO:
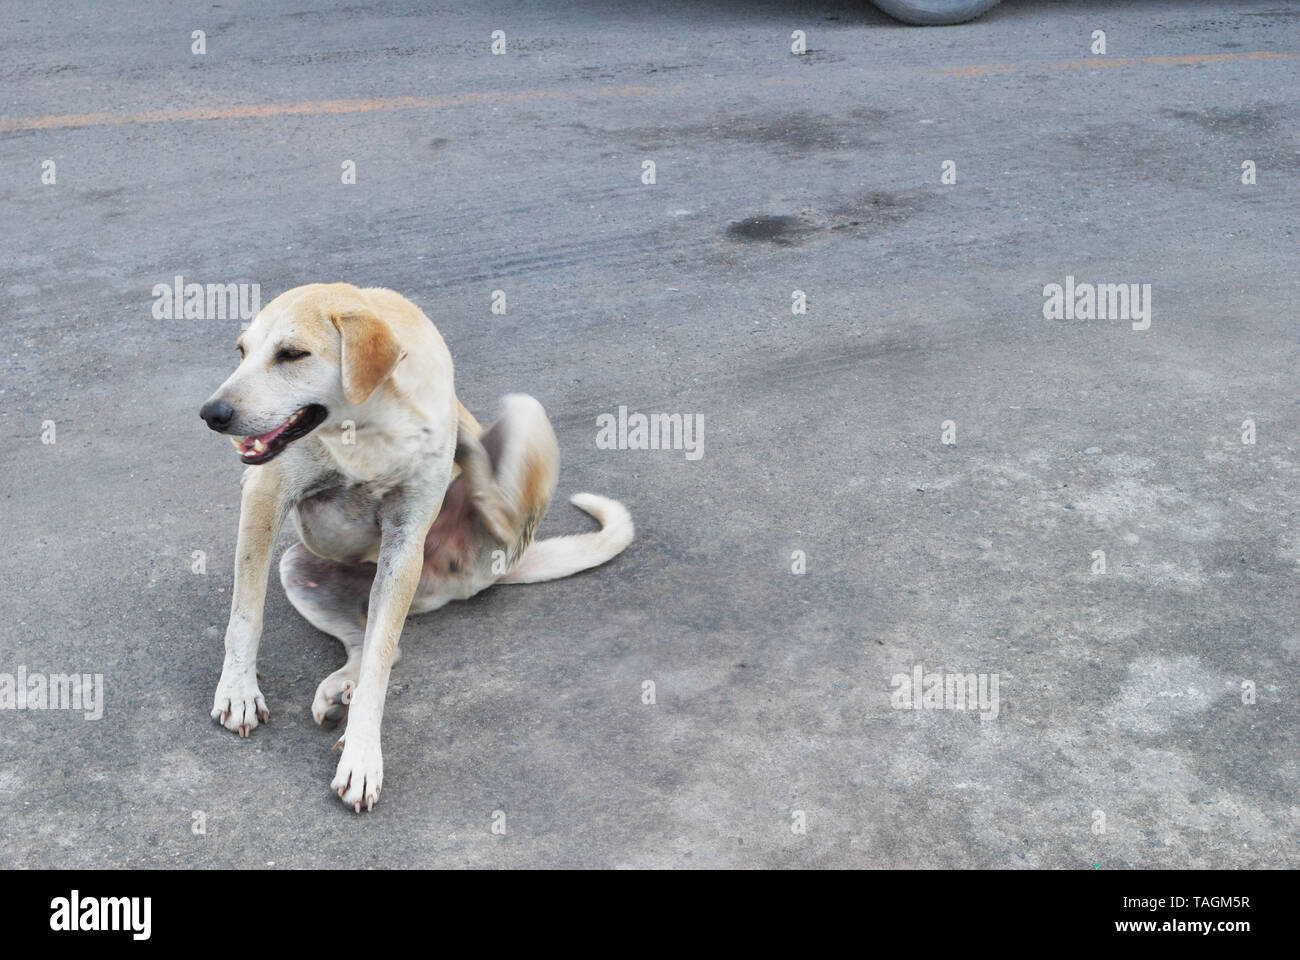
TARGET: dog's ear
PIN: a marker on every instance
(368, 353)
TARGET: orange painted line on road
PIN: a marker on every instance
(977, 70)
(1178, 61)
(257, 111)
(1101, 63)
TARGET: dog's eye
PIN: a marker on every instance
(286, 354)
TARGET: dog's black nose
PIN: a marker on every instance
(217, 414)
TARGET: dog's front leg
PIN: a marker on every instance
(404, 522)
(239, 705)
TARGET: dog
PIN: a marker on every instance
(344, 409)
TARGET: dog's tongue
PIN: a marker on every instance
(254, 446)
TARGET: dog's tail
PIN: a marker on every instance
(557, 557)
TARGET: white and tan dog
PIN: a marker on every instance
(346, 403)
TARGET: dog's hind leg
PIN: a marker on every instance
(333, 597)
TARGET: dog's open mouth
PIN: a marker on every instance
(269, 445)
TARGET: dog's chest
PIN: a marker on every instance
(382, 459)
(341, 522)
(340, 517)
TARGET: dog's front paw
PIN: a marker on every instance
(238, 704)
(360, 774)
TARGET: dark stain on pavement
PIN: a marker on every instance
(1253, 120)
(878, 207)
(781, 230)
(792, 133)
(857, 215)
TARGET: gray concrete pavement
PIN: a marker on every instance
(1121, 739)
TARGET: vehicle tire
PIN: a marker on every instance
(928, 13)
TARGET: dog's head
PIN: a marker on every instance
(312, 355)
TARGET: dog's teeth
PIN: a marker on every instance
(258, 446)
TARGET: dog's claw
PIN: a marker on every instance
(360, 776)
(239, 705)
